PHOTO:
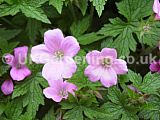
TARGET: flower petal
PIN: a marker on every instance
(52, 94)
(109, 77)
(53, 39)
(7, 87)
(9, 59)
(20, 54)
(70, 46)
(40, 54)
(120, 66)
(70, 87)
(69, 67)
(109, 52)
(52, 71)
(59, 70)
(154, 67)
(94, 57)
(94, 73)
(156, 7)
(57, 84)
(20, 74)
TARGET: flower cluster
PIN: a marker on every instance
(57, 54)
(19, 70)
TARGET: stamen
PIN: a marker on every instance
(63, 93)
(59, 55)
(107, 62)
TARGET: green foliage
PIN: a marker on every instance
(30, 94)
(127, 25)
(150, 83)
(99, 5)
(58, 4)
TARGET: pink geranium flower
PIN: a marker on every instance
(59, 89)
(105, 66)
(7, 87)
(156, 9)
(19, 70)
(56, 53)
(155, 66)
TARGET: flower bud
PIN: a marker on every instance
(7, 87)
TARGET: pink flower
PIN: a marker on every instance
(105, 66)
(56, 53)
(19, 70)
(156, 9)
(155, 66)
(7, 87)
(59, 89)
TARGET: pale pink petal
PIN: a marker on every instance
(69, 67)
(40, 54)
(20, 74)
(9, 59)
(53, 39)
(59, 70)
(7, 87)
(109, 78)
(71, 88)
(109, 52)
(51, 93)
(56, 84)
(20, 54)
(94, 73)
(94, 57)
(70, 46)
(120, 66)
(156, 6)
(53, 71)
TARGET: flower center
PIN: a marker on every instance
(63, 93)
(107, 62)
(59, 55)
(18, 66)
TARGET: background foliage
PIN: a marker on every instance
(127, 25)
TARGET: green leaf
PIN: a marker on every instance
(32, 95)
(82, 108)
(50, 115)
(123, 33)
(135, 9)
(33, 12)
(9, 10)
(90, 38)
(135, 78)
(119, 107)
(3, 69)
(14, 109)
(150, 83)
(148, 32)
(33, 28)
(150, 110)
(75, 114)
(58, 4)
(82, 5)
(2, 107)
(99, 5)
(80, 27)
(8, 34)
